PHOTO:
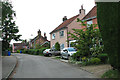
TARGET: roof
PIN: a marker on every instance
(19, 44)
(37, 37)
(65, 23)
(91, 13)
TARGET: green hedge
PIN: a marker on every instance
(108, 21)
(34, 51)
(103, 57)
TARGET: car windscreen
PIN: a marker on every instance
(71, 49)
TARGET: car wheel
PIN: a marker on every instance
(49, 55)
(62, 57)
(68, 57)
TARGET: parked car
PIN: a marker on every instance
(50, 52)
(54, 52)
(67, 52)
(47, 52)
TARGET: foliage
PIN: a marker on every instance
(103, 57)
(88, 40)
(18, 51)
(108, 21)
(95, 61)
(57, 46)
(34, 51)
(111, 74)
(8, 26)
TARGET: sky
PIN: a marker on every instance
(46, 15)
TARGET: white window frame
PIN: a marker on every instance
(61, 33)
(53, 36)
(89, 23)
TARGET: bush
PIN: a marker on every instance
(95, 61)
(103, 57)
(18, 51)
(57, 46)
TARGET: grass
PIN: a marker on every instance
(57, 57)
(111, 74)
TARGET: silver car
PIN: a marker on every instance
(47, 52)
(67, 52)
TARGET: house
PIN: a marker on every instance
(19, 46)
(60, 35)
(39, 40)
(91, 17)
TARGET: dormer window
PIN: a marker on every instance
(53, 36)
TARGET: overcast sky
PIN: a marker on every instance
(45, 15)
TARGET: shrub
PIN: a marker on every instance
(57, 46)
(18, 51)
(95, 61)
(103, 57)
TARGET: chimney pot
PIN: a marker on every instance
(64, 18)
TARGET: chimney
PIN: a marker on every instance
(64, 18)
(45, 36)
(82, 11)
(39, 32)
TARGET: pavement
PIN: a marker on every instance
(8, 65)
(32, 66)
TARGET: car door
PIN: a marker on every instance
(65, 53)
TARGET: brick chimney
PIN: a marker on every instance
(64, 18)
(45, 35)
(81, 12)
(39, 32)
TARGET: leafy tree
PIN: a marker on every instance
(57, 46)
(108, 20)
(86, 38)
(8, 26)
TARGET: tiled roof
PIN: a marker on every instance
(19, 44)
(65, 23)
(91, 13)
(37, 37)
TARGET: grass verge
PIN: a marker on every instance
(111, 74)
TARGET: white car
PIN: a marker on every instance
(47, 52)
(67, 52)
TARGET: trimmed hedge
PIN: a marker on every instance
(34, 51)
(108, 21)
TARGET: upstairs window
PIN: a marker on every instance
(61, 33)
(89, 23)
(53, 36)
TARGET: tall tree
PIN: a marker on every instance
(8, 26)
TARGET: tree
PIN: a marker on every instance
(86, 38)
(57, 46)
(8, 26)
(108, 20)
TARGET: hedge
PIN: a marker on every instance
(34, 51)
(108, 21)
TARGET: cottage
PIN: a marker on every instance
(19, 46)
(60, 35)
(39, 40)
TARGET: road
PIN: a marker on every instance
(31, 66)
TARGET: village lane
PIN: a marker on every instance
(31, 66)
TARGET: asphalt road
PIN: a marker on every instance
(30, 66)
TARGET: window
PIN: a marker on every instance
(62, 46)
(61, 33)
(89, 23)
(53, 36)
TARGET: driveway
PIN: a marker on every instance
(31, 66)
